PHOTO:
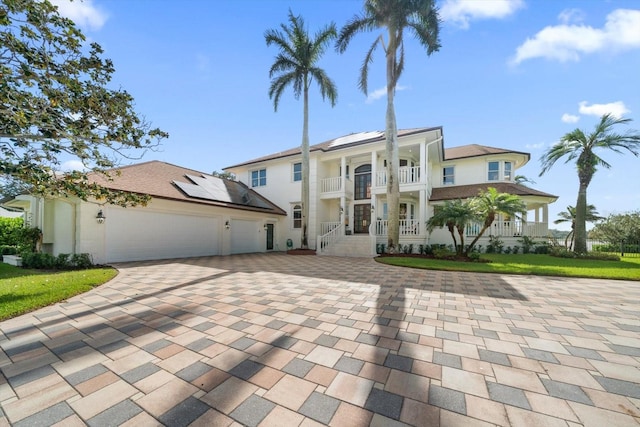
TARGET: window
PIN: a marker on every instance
(507, 171)
(362, 182)
(297, 172)
(259, 178)
(447, 175)
(297, 216)
(494, 171)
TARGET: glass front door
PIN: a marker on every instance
(269, 237)
(361, 218)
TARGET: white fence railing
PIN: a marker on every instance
(326, 227)
(408, 227)
(510, 229)
(330, 237)
(406, 175)
(332, 185)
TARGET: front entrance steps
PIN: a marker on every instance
(350, 246)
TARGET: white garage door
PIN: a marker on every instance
(245, 237)
(141, 234)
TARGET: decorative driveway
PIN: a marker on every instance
(282, 340)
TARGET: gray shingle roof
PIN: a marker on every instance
(452, 192)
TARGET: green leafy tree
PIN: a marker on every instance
(489, 204)
(297, 65)
(618, 227)
(570, 216)
(455, 215)
(420, 17)
(581, 147)
(55, 104)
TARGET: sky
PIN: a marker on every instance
(514, 74)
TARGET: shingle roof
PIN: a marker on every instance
(166, 181)
(452, 192)
(475, 150)
(339, 143)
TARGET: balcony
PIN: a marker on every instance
(335, 187)
(406, 175)
(510, 229)
(408, 227)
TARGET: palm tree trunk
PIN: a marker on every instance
(391, 148)
(305, 169)
(580, 234)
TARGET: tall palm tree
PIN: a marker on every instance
(455, 215)
(420, 17)
(296, 65)
(579, 146)
(570, 216)
(489, 204)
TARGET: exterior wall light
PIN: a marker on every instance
(227, 225)
(373, 209)
(266, 226)
(100, 217)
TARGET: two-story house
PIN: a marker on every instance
(348, 210)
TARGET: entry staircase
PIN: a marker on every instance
(348, 246)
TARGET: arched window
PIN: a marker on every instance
(362, 182)
(297, 216)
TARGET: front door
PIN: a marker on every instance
(269, 237)
(361, 218)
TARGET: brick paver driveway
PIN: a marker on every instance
(302, 340)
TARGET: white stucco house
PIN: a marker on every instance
(190, 214)
(348, 211)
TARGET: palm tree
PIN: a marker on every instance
(455, 215)
(488, 204)
(296, 65)
(570, 216)
(522, 180)
(421, 18)
(581, 147)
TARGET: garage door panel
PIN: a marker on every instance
(245, 237)
(140, 234)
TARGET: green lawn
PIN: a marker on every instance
(23, 290)
(542, 265)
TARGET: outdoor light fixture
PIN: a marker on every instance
(227, 225)
(100, 217)
(266, 226)
(373, 208)
(341, 209)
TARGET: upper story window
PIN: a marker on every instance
(447, 175)
(494, 171)
(297, 172)
(259, 178)
(362, 184)
(297, 216)
(507, 171)
(499, 171)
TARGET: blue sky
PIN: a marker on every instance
(514, 74)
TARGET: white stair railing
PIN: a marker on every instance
(330, 238)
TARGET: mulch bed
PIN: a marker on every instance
(301, 252)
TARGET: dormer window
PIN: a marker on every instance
(497, 171)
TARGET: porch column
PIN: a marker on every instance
(537, 211)
(343, 174)
(374, 173)
(423, 162)
(545, 214)
(422, 227)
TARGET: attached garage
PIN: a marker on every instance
(141, 234)
(245, 236)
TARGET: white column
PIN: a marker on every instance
(423, 162)
(374, 168)
(343, 173)
(545, 214)
(423, 210)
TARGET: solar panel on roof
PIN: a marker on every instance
(221, 190)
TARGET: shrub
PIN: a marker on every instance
(408, 249)
(441, 253)
(8, 250)
(507, 250)
(9, 229)
(474, 256)
(43, 261)
(495, 245)
(541, 249)
(562, 252)
(82, 261)
(38, 260)
(28, 239)
(527, 244)
(516, 249)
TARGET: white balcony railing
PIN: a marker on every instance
(408, 227)
(406, 175)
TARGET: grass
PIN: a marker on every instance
(539, 265)
(23, 290)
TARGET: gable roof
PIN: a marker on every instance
(475, 150)
(339, 143)
(452, 192)
(166, 181)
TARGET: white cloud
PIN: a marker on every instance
(536, 146)
(461, 12)
(83, 13)
(570, 118)
(71, 165)
(569, 42)
(569, 16)
(616, 109)
(379, 93)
